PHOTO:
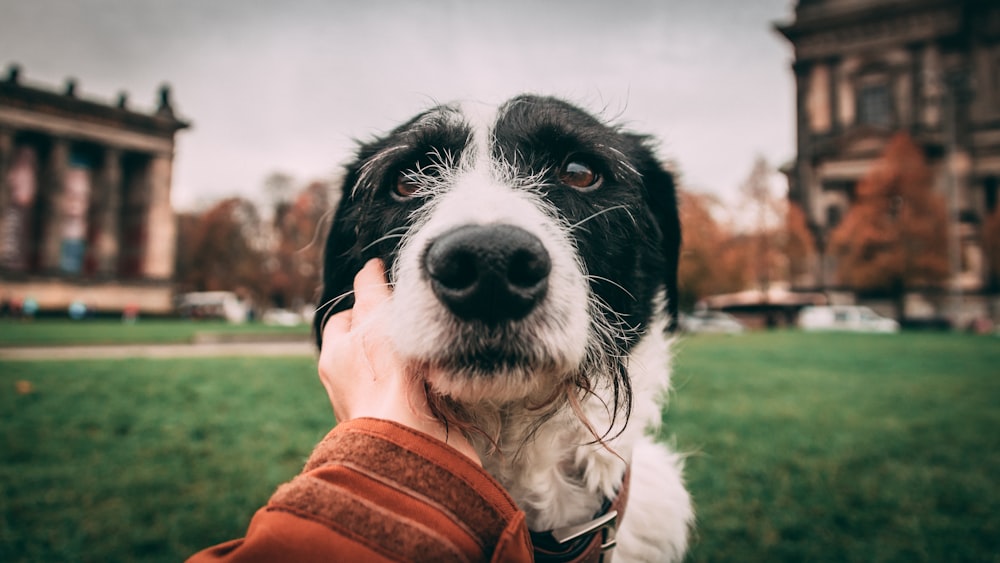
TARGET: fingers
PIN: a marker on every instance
(336, 333)
(370, 287)
(338, 324)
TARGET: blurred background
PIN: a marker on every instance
(831, 153)
(168, 170)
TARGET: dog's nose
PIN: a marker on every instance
(489, 273)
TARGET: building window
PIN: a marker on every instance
(874, 106)
(818, 104)
(991, 192)
(75, 204)
(996, 81)
(833, 216)
(132, 224)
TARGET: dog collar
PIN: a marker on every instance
(590, 542)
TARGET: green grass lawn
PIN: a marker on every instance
(61, 332)
(841, 447)
(803, 448)
(147, 460)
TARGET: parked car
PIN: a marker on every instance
(850, 318)
(710, 322)
(281, 317)
(213, 305)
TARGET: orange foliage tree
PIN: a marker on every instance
(222, 249)
(299, 247)
(231, 247)
(893, 237)
(711, 261)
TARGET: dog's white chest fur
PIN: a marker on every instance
(561, 477)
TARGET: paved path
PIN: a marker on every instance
(159, 351)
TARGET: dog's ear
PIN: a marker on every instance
(342, 258)
(661, 192)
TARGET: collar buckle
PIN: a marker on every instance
(606, 524)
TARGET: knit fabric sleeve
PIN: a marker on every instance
(374, 490)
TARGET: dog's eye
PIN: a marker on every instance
(405, 186)
(578, 174)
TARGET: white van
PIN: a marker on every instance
(213, 305)
(852, 318)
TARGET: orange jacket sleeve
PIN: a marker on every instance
(374, 490)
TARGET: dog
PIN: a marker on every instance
(532, 249)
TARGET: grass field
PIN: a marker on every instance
(58, 332)
(803, 448)
(147, 460)
(842, 447)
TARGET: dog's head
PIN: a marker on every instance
(529, 246)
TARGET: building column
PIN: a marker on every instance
(52, 187)
(158, 257)
(107, 202)
(8, 227)
(916, 86)
(6, 153)
(932, 87)
(836, 76)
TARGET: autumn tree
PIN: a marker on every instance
(711, 261)
(298, 253)
(221, 249)
(893, 237)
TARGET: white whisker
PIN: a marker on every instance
(330, 305)
(322, 226)
(576, 225)
(389, 236)
(614, 283)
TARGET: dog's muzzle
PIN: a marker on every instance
(488, 273)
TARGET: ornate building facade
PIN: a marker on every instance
(85, 211)
(865, 69)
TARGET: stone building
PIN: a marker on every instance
(865, 69)
(85, 210)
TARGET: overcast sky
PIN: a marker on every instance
(286, 85)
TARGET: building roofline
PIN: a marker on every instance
(15, 93)
(825, 18)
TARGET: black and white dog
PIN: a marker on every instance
(533, 254)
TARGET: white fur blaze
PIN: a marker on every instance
(556, 332)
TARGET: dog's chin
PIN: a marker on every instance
(494, 380)
(473, 363)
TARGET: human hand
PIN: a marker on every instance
(363, 374)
